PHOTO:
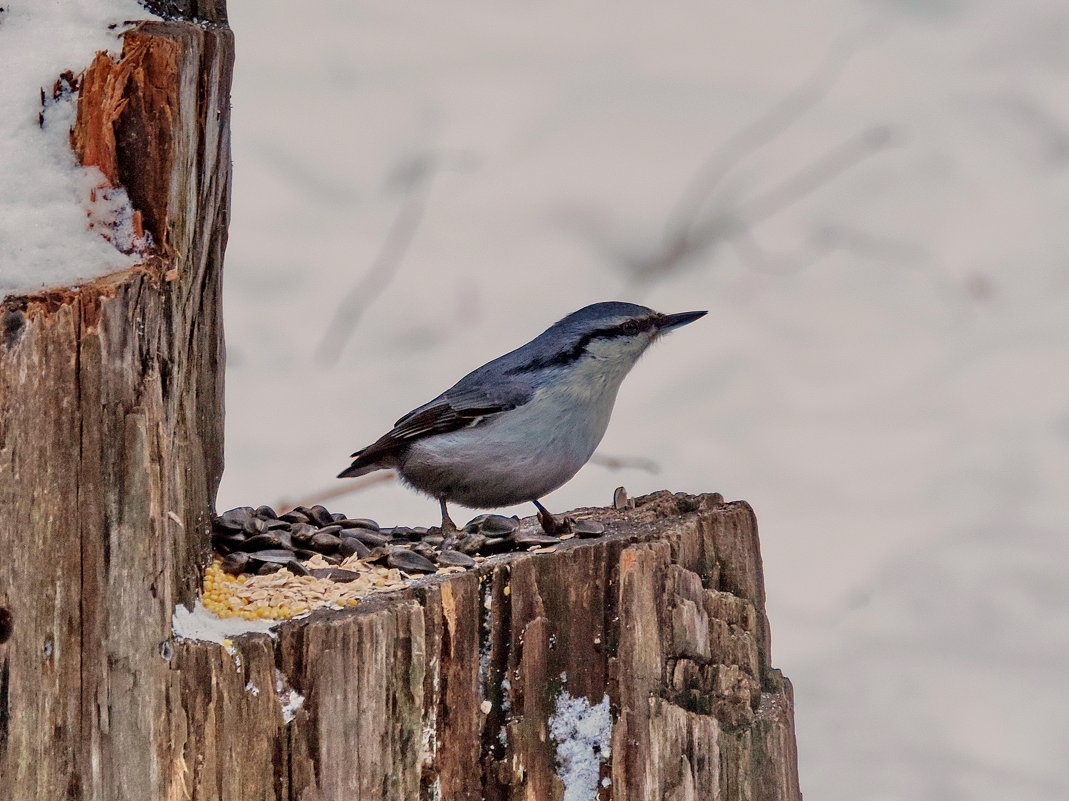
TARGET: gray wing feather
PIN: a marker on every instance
(467, 403)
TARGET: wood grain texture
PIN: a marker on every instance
(111, 437)
(446, 690)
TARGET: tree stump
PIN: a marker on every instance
(634, 666)
(111, 436)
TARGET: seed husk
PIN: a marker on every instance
(335, 574)
(621, 501)
(527, 539)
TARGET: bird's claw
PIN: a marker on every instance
(553, 526)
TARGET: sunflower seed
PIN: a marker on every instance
(498, 525)
(235, 563)
(471, 543)
(409, 562)
(320, 516)
(358, 522)
(455, 559)
(588, 528)
(325, 543)
(262, 542)
(372, 539)
(225, 543)
(352, 546)
(296, 568)
(276, 556)
(255, 525)
(234, 518)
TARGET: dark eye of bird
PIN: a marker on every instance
(632, 327)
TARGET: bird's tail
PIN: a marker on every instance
(361, 466)
(356, 470)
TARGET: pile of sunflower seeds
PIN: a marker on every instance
(260, 541)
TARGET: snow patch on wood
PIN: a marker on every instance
(53, 230)
(583, 734)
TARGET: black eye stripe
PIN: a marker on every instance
(625, 329)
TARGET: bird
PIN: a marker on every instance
(522, 425)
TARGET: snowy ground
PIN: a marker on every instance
(883, 372)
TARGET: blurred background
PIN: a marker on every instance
(870, 197)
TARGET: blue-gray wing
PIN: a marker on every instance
(463, 405)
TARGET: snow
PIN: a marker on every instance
(45, 197)
(288, 698)
(583, 737)
(201, 624)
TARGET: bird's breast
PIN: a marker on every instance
(517, 455)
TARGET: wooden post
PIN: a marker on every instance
(459, 688)
(111, 437)
(634, 666)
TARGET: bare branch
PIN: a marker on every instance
(731, 224)
(415, 178)
(625, 462)
(348, 487)
(754, 136)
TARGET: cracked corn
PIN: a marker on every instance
(282, 595)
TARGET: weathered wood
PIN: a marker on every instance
(447, 690)
(111, 437)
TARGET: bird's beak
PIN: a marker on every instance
(676, 320)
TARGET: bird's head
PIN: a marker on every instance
(612, 333)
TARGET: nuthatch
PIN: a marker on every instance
(521, 426)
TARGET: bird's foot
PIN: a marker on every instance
(450, 535)
(554, 526)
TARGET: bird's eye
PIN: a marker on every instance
(631, 327)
